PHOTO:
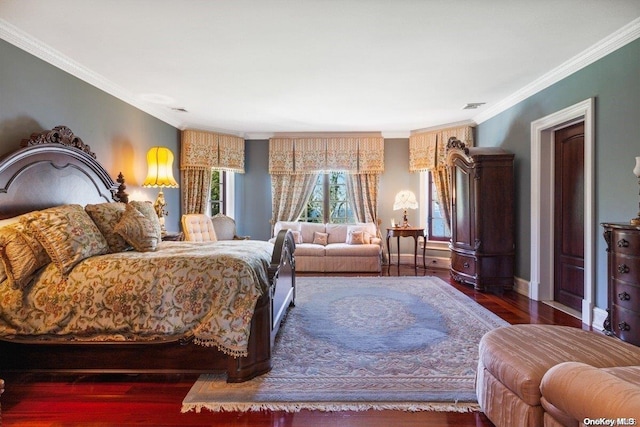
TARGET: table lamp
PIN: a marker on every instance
(160, 174)
(405, 200)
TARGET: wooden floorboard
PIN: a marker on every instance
(33, 399)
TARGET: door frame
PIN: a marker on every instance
(542, 177)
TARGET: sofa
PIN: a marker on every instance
(334, 248)
(549, 375)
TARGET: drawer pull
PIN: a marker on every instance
(622, 243)
(623, 268)
(623, 296)
(465, 265)
(624, 326)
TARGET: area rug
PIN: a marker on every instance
(360, 343)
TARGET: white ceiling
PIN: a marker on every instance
(258, 67)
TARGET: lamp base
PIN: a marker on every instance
(405, 221)
(159, 206)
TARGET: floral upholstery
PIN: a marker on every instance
(137, 230)
(106, 216)
(67, 233)
(147, 209)
(21, 254)
(184, 288)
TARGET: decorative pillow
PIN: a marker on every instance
(3, 273)
(106, 216)
(137, 230)
(355, 237)
(68, 234)
(320, 238)
(147, 209)
(297, 236)
(21, 255)
(366, 236)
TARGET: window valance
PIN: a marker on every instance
(324, 154)
(210, 150)
(427, 150)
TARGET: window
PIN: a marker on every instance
(328, 202)
(437, 229)
(218, 192)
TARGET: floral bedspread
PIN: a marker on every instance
(208, 290)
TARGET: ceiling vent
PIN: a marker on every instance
(473, 105)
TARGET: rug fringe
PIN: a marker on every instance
(331, 406)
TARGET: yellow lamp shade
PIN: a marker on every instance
(160, 168)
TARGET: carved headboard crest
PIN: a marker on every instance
(454, 142)
(60, 135)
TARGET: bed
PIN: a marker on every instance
(169, 307)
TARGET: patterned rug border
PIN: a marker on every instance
(194, 400)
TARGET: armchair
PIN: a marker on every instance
(225, 228)
(198, 228)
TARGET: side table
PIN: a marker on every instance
(399, 232)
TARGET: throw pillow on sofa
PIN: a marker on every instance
(355, 237)
(366, 236)
(320, 238)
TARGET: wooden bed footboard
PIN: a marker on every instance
(62, 159)
(172, 356)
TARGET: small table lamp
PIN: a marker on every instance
(160, 174)
(636, 172)
(405, 200)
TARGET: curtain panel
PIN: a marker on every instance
(353, 155)
(427, 152)
(201, 153)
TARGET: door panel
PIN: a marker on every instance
(569, 216)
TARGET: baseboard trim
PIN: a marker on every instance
(599, 316)
(521, 286)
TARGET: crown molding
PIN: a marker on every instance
(35, 47)
(609, 44)
(24, 41)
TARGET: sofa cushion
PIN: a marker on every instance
(337, 233)
(519, 355)
(310, 249)
(285, 225)
(308, 228)
(345, 249)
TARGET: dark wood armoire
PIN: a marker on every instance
(482, 216)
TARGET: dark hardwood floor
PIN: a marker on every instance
(35, 399)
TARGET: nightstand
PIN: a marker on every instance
(173, 237)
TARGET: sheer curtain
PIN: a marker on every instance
(362, 190)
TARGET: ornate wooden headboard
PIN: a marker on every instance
(54, 168)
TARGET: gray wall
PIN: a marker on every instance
(614, 82)
(36, 96)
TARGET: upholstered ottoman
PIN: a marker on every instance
(574, 391)
(513, 360)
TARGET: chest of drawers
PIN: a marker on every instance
(623, 247)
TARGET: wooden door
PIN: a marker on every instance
(569, 216)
